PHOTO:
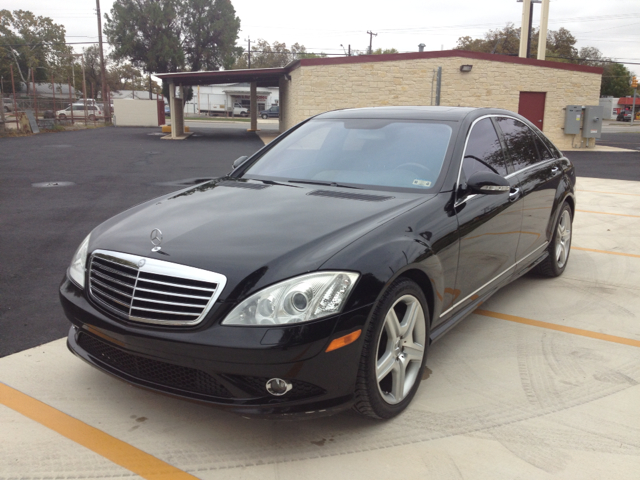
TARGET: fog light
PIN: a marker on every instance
(278, 387)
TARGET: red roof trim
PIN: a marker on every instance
(222, 73)
(394, 57)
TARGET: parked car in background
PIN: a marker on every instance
(270, 112)
(93, 112)
(167, 111)
(624, 116)
(316, 274)
(7, 104)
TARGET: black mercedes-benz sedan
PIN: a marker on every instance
(315, 276)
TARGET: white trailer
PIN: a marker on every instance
(215, 104)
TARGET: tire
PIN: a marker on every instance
(92, 118)
(560, 245)
(62, 116)
(265, 116)
(394, 352)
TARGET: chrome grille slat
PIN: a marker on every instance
(118, 301)
(176, 285)
(117, 272)
(139, 289)
(158, 292)
(151, 300)
(118, 264)
(109, 286)
(166, 312)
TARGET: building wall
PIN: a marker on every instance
(135, 113)
(608, 104)
(314, 89)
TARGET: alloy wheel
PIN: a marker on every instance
(400, 349)
(563, 238)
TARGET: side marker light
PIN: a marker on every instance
(343, 341)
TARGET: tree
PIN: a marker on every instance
(616, 81)
(31, 43)
(169, 35)
(127, 77)
(210, 33)
(265, 55)
(386, 51)
(506, 41)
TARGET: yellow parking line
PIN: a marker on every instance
(607, 213)
(119, 452)
(561, 328)
(612, 193)
(605, 251)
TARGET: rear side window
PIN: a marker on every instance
(483, 151)
(520, 143)
(542, 148)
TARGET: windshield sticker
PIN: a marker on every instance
(422, 183)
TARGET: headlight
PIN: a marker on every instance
(299, 299)
(77, 270)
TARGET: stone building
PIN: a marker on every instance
(319, 85)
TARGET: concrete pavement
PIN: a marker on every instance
(506, 396)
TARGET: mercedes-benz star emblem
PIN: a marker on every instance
(156, 239)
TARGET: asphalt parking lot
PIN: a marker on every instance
(541, 382)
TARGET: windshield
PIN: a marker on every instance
(391, 153)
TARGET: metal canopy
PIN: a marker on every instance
(264, 77)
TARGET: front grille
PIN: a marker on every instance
(152, 291)
(160, 373)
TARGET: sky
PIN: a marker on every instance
(329, 26)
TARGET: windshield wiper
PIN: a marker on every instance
(328, 184)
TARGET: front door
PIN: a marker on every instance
(531, 107)
(489, 225)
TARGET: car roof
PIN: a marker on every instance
(410, 113)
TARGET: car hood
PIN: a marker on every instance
(255, 233)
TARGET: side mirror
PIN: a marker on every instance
(239, 161)
(488, 183)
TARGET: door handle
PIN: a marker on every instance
(514, 194)
(555, 169)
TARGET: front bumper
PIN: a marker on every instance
(222, 365)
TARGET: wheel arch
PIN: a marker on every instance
(425, 283)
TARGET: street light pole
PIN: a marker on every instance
(103, 70)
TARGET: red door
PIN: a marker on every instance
(531, 107)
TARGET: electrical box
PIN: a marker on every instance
(592, 125)
(573, 119)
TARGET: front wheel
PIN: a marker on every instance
(394, 352)
(265, 117)
(560, 246)
(62, 116)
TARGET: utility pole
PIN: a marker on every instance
(249, 51)
(103, 70)
(371, 34)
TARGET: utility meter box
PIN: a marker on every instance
(572, 119)
(592, 125)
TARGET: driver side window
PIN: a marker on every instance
(483, 151)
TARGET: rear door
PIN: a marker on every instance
(539, 174)
(489, 225)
